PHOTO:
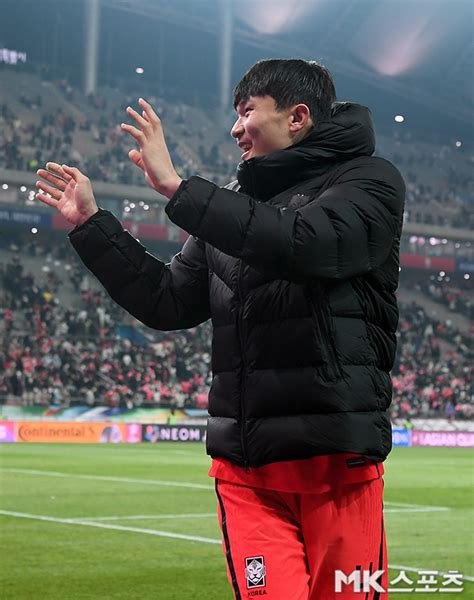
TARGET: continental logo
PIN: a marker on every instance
(69, 432)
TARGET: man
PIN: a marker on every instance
(296, 263)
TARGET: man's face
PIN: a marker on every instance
(260, 128)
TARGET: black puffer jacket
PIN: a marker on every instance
(297, 265)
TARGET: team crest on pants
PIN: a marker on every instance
(255, 572)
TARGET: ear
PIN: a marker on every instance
(300, 118)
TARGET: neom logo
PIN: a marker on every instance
(27, 433)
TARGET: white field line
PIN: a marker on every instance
(399, 506)
(403, 507)
(417, 510)
(148, 517)
(406, 505)
(86, 523)
(179, 484)
(179, 536)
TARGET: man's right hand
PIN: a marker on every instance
(71, 192)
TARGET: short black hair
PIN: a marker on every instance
(289, 81)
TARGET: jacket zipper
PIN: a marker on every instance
(243, 433)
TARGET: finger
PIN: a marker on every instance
(54, 179)
(136, 158)
(49, 189)
(139, 120)
(57, 170)
(74, 173)
(134, 132)
(46, 200)
(148, 109)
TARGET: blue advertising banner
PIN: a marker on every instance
(23, 217)
(401, 437)
(465, 266)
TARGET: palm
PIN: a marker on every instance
(74, 199)
(68, 190)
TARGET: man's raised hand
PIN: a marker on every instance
(152, 157)
(69, 190)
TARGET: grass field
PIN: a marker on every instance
(137, 522)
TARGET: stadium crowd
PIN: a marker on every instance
(433, 370)
(441, 290)
(86, 352)
(85, 349)
(90, 137)
(54, 351)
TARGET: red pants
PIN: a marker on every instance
(286, 546)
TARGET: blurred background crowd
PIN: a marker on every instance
(64, 342)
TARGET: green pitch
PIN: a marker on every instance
(137, 522)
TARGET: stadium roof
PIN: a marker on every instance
(414, 49)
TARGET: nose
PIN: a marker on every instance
(238, 129)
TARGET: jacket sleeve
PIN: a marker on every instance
(347, 231)
(162, 296)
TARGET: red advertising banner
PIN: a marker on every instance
(7, 431)
(452, 439)
(148, 231)
(430, 263)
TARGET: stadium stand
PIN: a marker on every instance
(59, 120)
(64, 342)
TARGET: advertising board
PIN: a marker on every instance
(438, 439)
(51, 431)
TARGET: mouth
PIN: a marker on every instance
(246, 147)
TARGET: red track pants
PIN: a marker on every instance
(288, 546)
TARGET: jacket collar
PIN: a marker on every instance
(348, 133)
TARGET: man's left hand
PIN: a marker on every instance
(153, 157)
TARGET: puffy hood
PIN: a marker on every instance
(348, 133)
